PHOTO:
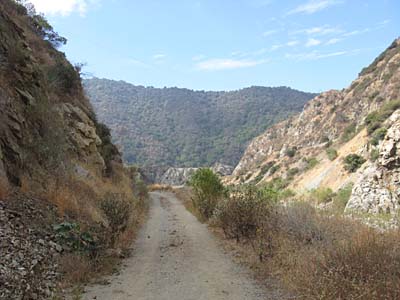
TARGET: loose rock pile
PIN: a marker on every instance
(28, 250)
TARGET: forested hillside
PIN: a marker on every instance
(185, 128)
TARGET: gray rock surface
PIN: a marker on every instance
(28, 251)
(177, 176)
(180, 176)
(378, 188)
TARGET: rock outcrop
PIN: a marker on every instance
(56, 161)
(180, 176)
(308, 149)
(378, 188)
(177, 176)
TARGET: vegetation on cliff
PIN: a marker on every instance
(58, 167)
(185, 128)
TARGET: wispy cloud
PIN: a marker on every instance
(333, 41)
(159, 56)
(276, 47)
(313, 6)
(318, 30)
(219, 64)
(356, 32)
(312, 42)
(292, 43)
(269, 32)
(315, 55)
(62, 7)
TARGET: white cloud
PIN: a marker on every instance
(313, 6)
(318, 30)
(292, 43)
(219, 64)
(62, 7)
(276, 47)
(269, 32)
(159, 56)
(312, 42)
(333, 41)
(357, 32)
(315, 55)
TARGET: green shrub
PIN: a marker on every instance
(353, 162)
(264, 170)
(311, 162)
(378, 135)
(292, 172)
(71, 235)
(349, 132)
(248, 214)
(63, 77)
(375, 119)
(237, 214)
(342, 197)
(290, 152)
(107, 149)
(267, 167)
(207, 190)
(374, 155)
(322, 195)
(117, 210)
(325, 139)
(275, 189)
(274, 169)
(332, 153)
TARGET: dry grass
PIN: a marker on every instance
(160, 187)
(77, 269)
(365, 266)
(4, 189)
(79, 200)
(333, 258)
(184, 194)
(316, 256)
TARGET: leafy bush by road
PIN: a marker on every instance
(207, 190)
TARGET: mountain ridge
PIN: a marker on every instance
(206, 126)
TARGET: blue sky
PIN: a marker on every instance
(312, 45)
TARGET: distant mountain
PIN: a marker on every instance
(185, 128)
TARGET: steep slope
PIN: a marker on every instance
(57, 163)
(185, 128)
(309, 149)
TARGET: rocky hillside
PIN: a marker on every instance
(185, 128)
(340, 137)
(181, 176)
(57, 163)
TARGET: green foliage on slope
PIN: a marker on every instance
(181, 127)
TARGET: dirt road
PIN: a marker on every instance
(176, 258)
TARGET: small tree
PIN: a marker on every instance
(332, 153)
(207, 188)
(353, 162)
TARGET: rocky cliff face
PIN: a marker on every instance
(47, 124)
(377, 190)
(57, 163)
(180, 176)
(308, 149)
